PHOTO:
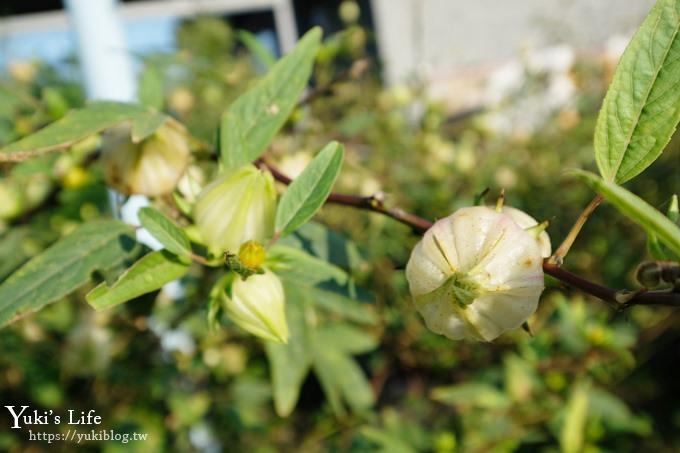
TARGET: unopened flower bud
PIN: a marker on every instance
(476, 274)
(12, 200)
(349, 11)
(238, 207)
(152, 167)
(257, 306)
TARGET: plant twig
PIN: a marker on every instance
(20, 156)
(374, 203)
(621, 298)
(563, 249)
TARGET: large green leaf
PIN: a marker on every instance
(297, 266)
(655, 249)
(308, 192)
(642, 107)
(635, 208)
(341, 379)
(173, 238)
(290, 362)
(472, 394)
(572, 435)
(64, 267)
(150, 273)
(80, 124)
(251, 121)
(386, 440)
(328, 348)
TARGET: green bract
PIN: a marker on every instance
(238, 207)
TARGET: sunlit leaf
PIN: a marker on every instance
(173, 238)
(636, 209)
(252, 120)
(80, 124)
(65, 266)
(150, 273)
(642, 107)
(308, 192)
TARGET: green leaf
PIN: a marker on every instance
(173, 238)
(151, 88)
(294, 264)
(342, 380)
(386, 440)
(145, 125)
(308, 192)
(615, 414)
(637, 210)
(472, 394)
(290, 362)
(573, 427)
(655, 249)
(673, 212)
(642, 107)
(256, 48)
(301, 268)
(325, 244)
(346, 307)
(150, 273)
(328, 348)
(80, 124)
(65, 266)
(340, 336)
(252, 120)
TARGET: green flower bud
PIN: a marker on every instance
(12, 200)
(152, 167)
(238, 207)
(257, 306)
(349, 11)
(476, 274)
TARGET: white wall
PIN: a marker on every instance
(436, 38)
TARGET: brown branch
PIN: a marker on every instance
(621, 298)
(374, 203)
(22, 155)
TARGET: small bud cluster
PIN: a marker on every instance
(236, 213)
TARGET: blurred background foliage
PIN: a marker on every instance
(588, 379)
